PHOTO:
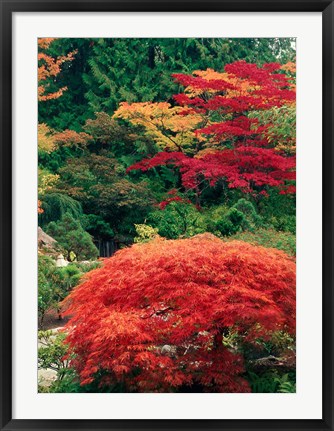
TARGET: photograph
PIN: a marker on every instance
(166, 215)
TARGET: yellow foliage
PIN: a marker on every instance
(289, 67)
(242, 86)
(145, 233)
(46, 181)
(46, 141)
(162, 122)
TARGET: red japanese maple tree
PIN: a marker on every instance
(231, 145)
(154, 315)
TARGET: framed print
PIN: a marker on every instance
(166, 196)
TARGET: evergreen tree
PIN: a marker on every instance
(70, 234)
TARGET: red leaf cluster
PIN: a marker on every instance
(246, 87)
(244, 167)
(153, 316)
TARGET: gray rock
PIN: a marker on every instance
(46, 377)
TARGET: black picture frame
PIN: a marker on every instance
(8, 7)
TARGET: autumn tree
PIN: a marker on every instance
(70, 111)
(156, 315)
(99, 183)
(49, 142)
(48, 69)
(227, 142)
(164, 124)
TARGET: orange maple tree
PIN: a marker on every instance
(49, 67)
(154, 316)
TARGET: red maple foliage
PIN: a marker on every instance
(243, 87)
(154, 315)
(246, 168)
(236, 148)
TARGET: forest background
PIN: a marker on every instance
(83, 147)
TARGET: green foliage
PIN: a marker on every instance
(177, 220)
(111, 135)
(139, 69)
(279, 211)
(70, 110)
(270, 238)
(99, 183)
(46, 294)
(52, 352)
(284, 223)
(271, 381)
(251, 219)
(267, 361)
(282, 131)
(70, 383)
(231, 223)
(55, 205)
(54, 283)
(145, 233)
(70, 235)
(97, 226)
(107, 71)
(279, 342)
(67, 277)
(286, 386)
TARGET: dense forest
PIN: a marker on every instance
(166, 206)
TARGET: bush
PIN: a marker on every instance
(271, 381)
(231, 223)
(284, 223)
(70, 234)
(54, 284)
(279, 211)
(251, 219)
(52, 352)
(270, 238)
(145, 233)
(56, 205)
(46, 287)
(178, 220)
(155, 315)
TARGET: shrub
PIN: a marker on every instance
(70, 234)
(52, 351)
(231, 223)
(285, 241)
(54, 284)
(46, 294)
(154, 316)
(178, 219)
(145, 233)
(55, 205)
(284, 223)
(272, 381)
(251, 219)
